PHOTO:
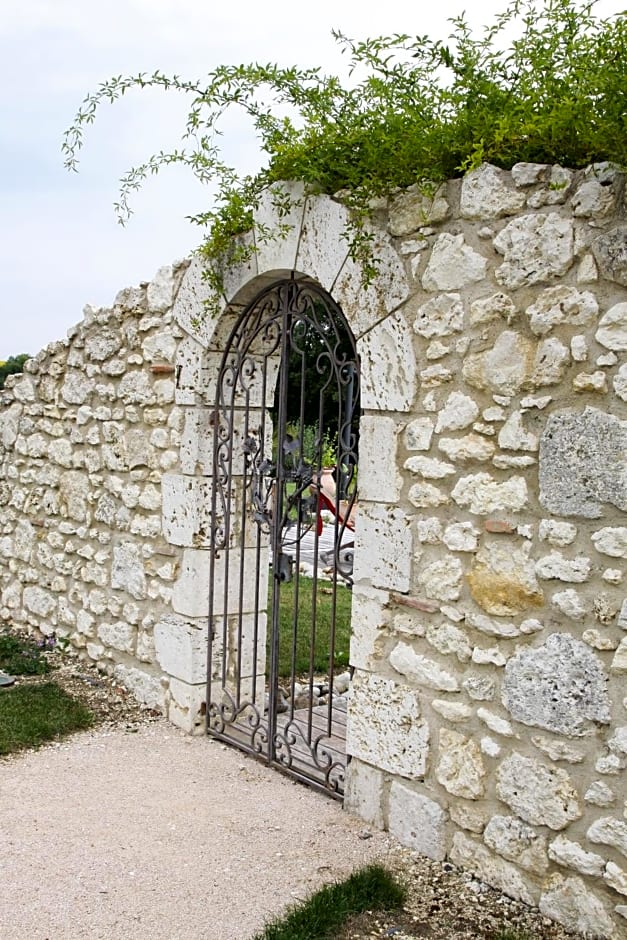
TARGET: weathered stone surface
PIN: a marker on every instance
(181, 649)
(562, 305)
(611, 540)
(620, 382)
(568, 901)
(457, 413)
(583, 463)
(39, 601)
(421, 670)
(495, 723)
(609, 831)
(146, 688)
(461, 537)
(557, 567)
(440, 316)
(119, 636)
(536, 248)
(599, 794)
(364, 793)
(558, 750)
(557, 532)
(619, 662)
(491, 627)
(448, 639)
(465, 449)
(383, 547)
(487, 193)
(442, 579)
(495, 307)
(517, 842)
(418, 434)
(590, 382)
(570, 604)
(428, 467)
(388, 366)
(483, 495)
(379, 480)
(417, 821)
(541, 795)
(513, 435)
(502, 875)
(453, 264)
(610, 252)
(560, 686)
(417, 206)
(424, 495)
(502, 579)
(127, 570)
(451, 711)
(460, 768)
(490, 656)
(385, 726)
(616, 877)
(504, 369)
(549, 364)
(572, 855)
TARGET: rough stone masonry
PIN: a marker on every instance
(488, 710)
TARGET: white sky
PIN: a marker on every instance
(60, 244)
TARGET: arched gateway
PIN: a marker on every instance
(285, 415)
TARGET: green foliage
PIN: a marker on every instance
(12, 365)
(414, 109)
(21, 656)
(32, 714)
(328, 910)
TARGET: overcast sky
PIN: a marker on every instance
(60, 244)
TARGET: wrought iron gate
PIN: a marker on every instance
(282, 542)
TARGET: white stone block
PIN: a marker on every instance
(181, 649)
(388, 366)
(364, 793)
(185, 706)
(323, 244)
(281, 206)
(417, 822)
(383, 547)
(379, 479)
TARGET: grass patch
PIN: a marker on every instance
(21, 656)
(33, 714)
(323, 611)
(328, 910)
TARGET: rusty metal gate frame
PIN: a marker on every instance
(263, 507)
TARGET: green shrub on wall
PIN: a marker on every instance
(413, 109)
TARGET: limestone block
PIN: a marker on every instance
(480, 688)
(424, 496)
(570, 603)
(136, 389)
(526, 174)
(572, 855)
(536, 248)
(562, 305)
(560, 686)
(145, 687)
(458, 412)
(611, 541)
(38, 601)
(590, 382)
(388, 289)
(103, 344)
(427, 467)
(505, 368)
(502, 579)
(541, 795)
(181, 649)
(495, 723)
(440, 316)
(323, 244)
(501, 628)
(557, 567)
(76, 388)
(610, 252)
(186, 510)
(461, 537)
(494, 871)
(385, 727)
(619, 662)
(118, 636)
(417, 822)
(429, 530)
(383, 547)
(451, 711)
(198, 305)
(418, 205)
(568, 901)
(582, 463)
(442, 579)
(465, 449)
(487, 193)
(609, 831)
(468, 816)
(557, 532)
(616, 878)
(9, 424)
(364, 793)
(388, 366)
(280, 210)
(599, 794)
(620, 382)
(185, 706)
(593, 200)
(127, 570)
(517, 842)
(485, 657)
(421, 670)
(549, 364)
(460, 768)
(418, 434)
(159, 347)
(453, 264)
(190, 595)
(513, 435)
(160, 291)
(370, 618)
(448, 639)
(495, 307)
(379, 480)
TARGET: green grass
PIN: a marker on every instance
(21, 656)
(323, 914)
(32, 714)
(324, 609)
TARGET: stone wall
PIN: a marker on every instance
(487, 717)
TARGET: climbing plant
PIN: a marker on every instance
(412, 109)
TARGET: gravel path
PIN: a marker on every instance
(153, 834)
